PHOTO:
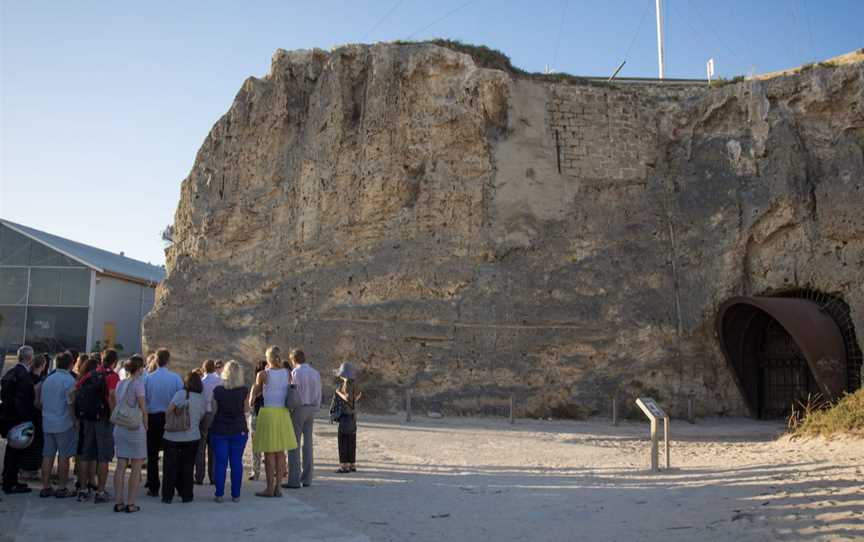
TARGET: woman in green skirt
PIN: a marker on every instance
(274, 432)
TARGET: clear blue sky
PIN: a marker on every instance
(103, 105)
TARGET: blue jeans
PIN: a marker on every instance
(228, 448)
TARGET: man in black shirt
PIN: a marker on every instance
(19, 395)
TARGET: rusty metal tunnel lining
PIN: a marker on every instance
(742, 324)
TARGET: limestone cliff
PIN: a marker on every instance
(472, 233)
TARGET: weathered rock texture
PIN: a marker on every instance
(401, 207)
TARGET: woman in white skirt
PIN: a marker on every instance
(130, 444)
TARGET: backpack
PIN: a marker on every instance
(90, 402)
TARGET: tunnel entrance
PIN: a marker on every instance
(783, 374)
(783, 349)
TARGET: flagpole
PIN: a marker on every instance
(659, 4)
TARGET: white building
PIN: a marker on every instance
(57, 294)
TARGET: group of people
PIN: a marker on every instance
(89, 410)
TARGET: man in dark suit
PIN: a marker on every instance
(18, 395)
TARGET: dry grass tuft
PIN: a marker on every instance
(817, 418)
(494, 59)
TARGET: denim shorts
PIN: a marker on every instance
(98, 444)
(63, 444)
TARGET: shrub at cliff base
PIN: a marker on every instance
(846, 417)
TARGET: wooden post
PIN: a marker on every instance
(654, 446)
(691, 410)
(512, 405)
(666, 440)
(614, 410)
(408, 405)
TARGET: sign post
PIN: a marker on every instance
(654, 414)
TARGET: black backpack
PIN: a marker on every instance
(90, 402)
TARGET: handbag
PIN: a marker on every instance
(124, 415)
(177, 419)
(292, 396)
(335, 410)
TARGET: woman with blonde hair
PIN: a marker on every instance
(274, 432)
(228, 432)
(152, 365)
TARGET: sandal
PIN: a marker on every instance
(46, 492)
(340, 470)
(132, 508)
(120, 507)
(63, 493)
(265, 494)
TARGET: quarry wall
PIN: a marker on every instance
(471, 233)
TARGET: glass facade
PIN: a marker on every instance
(44, 296)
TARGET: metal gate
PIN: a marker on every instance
(784, 376)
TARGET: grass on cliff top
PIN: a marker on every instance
(494, 59)
(846, 417)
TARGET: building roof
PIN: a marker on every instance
(95, 258)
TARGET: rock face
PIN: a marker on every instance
(471, 233)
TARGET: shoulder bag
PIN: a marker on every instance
(177, 418)
(124, 415)
(292, 396)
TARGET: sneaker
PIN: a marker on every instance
(46, 492)
(84, 496)
(102, 497)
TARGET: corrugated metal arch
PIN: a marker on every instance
(815, 333)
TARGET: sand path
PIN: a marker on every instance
(482, 479)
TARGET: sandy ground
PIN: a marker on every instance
(482, 479)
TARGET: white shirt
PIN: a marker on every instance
(276, 387)
(308, 383)
(210, 381)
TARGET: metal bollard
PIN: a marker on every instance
(408, 406)
(512, 407)
(614, 410)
